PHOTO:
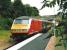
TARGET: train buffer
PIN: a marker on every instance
(36, 42)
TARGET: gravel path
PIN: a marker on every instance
(51, 44)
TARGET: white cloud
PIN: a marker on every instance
(49, 11)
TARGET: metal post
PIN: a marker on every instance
(54, 26)
(54, 30)
(54, 21)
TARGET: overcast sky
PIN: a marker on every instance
(38, 4)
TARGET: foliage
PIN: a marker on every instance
(16, 9)
(4, 6)
(63, 7)
(31, 11)
(5, 23)
(19, 9)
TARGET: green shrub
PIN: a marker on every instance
(5, 23)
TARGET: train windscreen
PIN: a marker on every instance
(19, 21)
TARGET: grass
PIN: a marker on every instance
(5, 35)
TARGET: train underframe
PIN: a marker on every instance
(18, 37)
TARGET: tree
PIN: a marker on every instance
(63, 7)
(18, 8)
(4, 6)
(24, 10)
(35, 11)
(31, 11)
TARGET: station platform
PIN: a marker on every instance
(36, 42)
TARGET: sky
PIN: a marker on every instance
(38, 4)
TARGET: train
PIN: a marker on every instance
(24, 27)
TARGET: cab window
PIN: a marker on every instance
(19, 21)
(25, 21)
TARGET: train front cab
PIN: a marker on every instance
(22, 28)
